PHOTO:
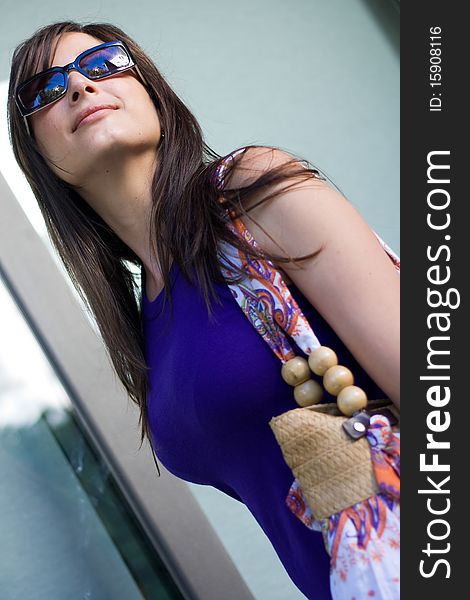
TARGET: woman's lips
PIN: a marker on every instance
(94, 116)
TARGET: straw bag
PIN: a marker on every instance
(334, 469)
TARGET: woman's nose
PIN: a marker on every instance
(79, 85)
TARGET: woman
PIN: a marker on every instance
(122, 175)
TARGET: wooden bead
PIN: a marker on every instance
(350, 399)
(307, 393)
(336, 378)
(321, 359)
(295, 370)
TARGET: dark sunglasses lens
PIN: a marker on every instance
(105, 61)
(42, 90)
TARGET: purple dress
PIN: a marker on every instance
(214, 387)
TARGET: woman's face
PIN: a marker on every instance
(110, 135)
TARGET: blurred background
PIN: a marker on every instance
(83, 513)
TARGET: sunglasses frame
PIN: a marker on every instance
(76, 67)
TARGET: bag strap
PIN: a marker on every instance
(266, 300)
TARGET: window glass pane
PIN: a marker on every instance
(65, 529)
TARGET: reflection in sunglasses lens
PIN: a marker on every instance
(104, 61)
(43, 90)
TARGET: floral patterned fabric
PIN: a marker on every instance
(363, 541)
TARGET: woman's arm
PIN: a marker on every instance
(352, 282)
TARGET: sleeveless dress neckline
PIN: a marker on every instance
(150, 307)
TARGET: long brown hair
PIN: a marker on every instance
(188, 210)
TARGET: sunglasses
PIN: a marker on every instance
(50, 85)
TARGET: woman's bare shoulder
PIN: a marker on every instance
(249, 162)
